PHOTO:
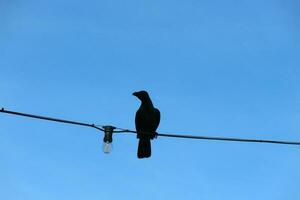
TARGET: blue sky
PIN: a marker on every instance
(215, 68)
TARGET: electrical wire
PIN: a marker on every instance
(212, 138)
(121, 130)
(51, 119)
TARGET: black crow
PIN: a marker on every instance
(147, 119)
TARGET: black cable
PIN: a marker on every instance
(120, 130)
(51, 119)
(211, 138)
(229, 139)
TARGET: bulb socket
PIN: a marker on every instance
(108, 131)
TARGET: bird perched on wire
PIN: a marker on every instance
(147, 119)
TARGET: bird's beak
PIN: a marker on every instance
(135, 94)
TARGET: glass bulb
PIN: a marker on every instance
(107, 147)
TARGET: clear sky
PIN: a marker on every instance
(215, 68)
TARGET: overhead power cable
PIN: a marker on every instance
(214, 138)
(51, 119)
(113, 129)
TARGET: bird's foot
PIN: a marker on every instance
(154, 135)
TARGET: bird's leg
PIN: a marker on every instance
(154, 135)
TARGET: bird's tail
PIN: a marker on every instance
(144, 149)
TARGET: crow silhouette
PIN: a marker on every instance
(147, 119)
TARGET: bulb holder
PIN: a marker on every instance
(108, 131)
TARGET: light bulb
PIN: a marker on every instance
(107, 140)
(107, 147)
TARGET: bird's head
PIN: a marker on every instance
(142, 95)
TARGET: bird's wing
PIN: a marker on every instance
(156, 119)
(147, 121)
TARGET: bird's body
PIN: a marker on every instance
(147, 119)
